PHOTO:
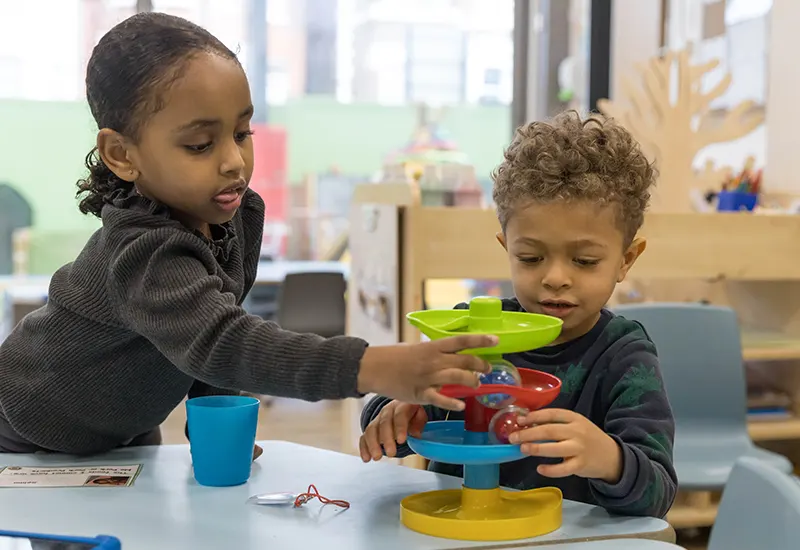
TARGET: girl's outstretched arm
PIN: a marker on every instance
(165, 286)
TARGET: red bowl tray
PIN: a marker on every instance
(538, 389)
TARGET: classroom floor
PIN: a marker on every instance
(695, 539)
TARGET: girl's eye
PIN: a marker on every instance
(529, 260)
(241, 136)
(586, 263)
(201, 148)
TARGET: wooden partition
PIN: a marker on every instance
(750, 262)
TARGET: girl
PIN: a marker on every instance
(150, 310)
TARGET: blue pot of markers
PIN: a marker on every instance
(222, 434)
(735, 201)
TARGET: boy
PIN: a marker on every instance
(571, 196)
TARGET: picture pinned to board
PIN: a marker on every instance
(373, 315)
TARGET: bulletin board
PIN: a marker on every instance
(373, 289)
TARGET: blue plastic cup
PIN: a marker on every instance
(222, 434)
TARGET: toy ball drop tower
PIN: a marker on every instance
(480, 509)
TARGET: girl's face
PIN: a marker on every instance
(195, 155)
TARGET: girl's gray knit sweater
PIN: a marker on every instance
(148, 310)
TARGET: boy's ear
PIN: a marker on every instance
(112, 148)
(629, 257)
(501, 238)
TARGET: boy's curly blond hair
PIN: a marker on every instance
(570, 158)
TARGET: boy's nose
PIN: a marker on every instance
(556, 278)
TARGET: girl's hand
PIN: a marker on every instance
(587, 450)
(415, 373)
(392, 426)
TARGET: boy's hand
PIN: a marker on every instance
(587, 450)
(415, 373)
(391, 427)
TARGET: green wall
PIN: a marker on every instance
(43, 145)
(42, 149)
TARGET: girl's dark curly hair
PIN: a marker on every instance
(570, 158)
(129, 71)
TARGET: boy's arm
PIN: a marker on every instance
(375, 405)
(639, 418)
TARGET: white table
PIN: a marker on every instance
(31, 291)
(613, 544)
(275, 272)
(19, 297)
(166, 509)
(268, 273)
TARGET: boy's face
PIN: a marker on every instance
(566, 258)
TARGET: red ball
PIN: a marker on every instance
(504, 423)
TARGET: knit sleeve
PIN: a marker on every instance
(639, 419)
(164, 287)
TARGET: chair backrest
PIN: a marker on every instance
(313, 302)
(262, 300)
(699, 349)
(760, 508)
(15, 213)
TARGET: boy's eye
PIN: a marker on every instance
(241, 136)
(586, 262)
(531, 259)
(200, 148)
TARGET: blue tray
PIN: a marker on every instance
(61, 542)
(447, 441)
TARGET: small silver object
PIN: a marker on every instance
(272, 499)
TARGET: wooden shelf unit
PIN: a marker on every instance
(774, 430)
(770, 347)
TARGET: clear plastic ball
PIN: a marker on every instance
(504, 423)
(503, 373)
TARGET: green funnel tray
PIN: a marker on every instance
(516, 331)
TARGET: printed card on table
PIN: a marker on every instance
(69, 476)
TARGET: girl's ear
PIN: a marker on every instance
(113, 150)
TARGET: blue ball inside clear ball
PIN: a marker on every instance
(503, 373)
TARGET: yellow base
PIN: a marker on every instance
(488, 514)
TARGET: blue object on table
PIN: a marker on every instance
(448, 442)
(700, 352)
(734, 201)
(58, 542)
(760, 508)
(222, 434)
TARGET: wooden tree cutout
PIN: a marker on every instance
(673, 132)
